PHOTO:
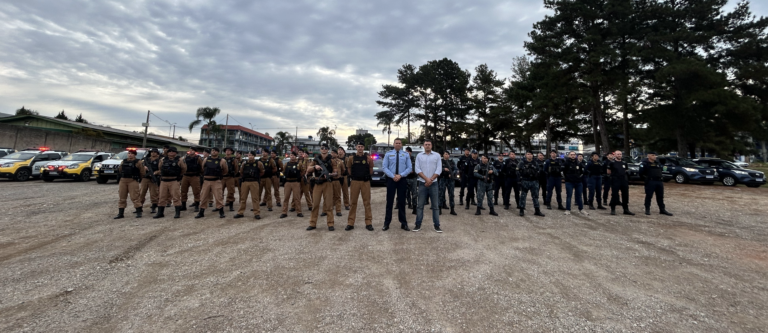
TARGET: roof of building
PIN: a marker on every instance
(108, 130)
(241, 128)
(5, 115)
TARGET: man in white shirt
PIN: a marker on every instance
(428, 167)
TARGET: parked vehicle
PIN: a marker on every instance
(378, 177)
(77, 166)
(683, 170)
(26, 164)
(107, 170)
(732, 174)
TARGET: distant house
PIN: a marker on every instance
(238, 138)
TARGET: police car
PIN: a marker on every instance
(683, 170)
(378, 177)
(104, 171)
(77, 166)
(732, 174)
(26, 164)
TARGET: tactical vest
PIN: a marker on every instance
(554, 166)
(653, 169)
(193, 166)
(152, 165)
(130, 169)
(230, 165)
(292, 173)
(445, 164)
(499, 165)
(360, 169)
(594, 168)
(251, 171)
(482, 169)
(212, 167)
(528, 170)
(510, 168)
(328, 162)
(573, 171)
(413, 173)
(267, 168)
(171, 167)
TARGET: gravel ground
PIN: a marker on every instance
(66, 265)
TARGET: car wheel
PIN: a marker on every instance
(102, 180)
(47, 179)
(85, 176)
(681, 178)
(21, 175)
(729, 181)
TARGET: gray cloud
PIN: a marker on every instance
(276, 64)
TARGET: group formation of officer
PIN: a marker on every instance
(334, 178)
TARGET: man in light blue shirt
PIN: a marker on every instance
(396, 165)
(428, 167)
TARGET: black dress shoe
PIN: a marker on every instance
(300, 215)
(269, 209)
(258, 217)
(369, 227)
(282, 216)
(385, 228)
(405, 228)
(338, 214)
(347, 207)
(279, 205)
(348, 228)
(311, 228)
(292, 210)
(263, 204)
(331, 228)
(665, 212)
(238, 216)
(627, 212)
(323, 214)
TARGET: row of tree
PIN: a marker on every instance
(670, 75)
(23, 111)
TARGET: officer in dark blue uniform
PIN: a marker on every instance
(650, 170)
(553, 167)
(469, 171)
(509, 169)
(498, 183)
(464, 179)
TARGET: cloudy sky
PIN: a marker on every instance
(275, 64)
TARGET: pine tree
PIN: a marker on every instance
(61, 115)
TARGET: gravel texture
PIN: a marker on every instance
(66, 265)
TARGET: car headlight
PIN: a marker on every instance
(7, 165)
(716, 174)
(73, 166)
(97, 166)
(740, 172)
(634, 168)
(690, 169)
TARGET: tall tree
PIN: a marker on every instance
(401, 99)
(486, 102)
(326, 134)
(386, 119)
(26, 112)
(80, 119)
(207, 115)
(62, 116)
(353, 139)
(282, 139)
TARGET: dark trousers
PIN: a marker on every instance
(464, 183)
(556, 184)
(471, 187)
(529, 186)
(399, 188)
(584, 188)
(543, 188)
(595, 183)
(620, 185)
(657, 187)
(498, 184)
(509, 184)
(607, 186)
(446, 185)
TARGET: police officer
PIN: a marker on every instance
(228, 183)
(276, 177)
(594, 170)
(498, 182)
(292, 185)
(172, 168)
(528, 172)
(463, 178)
(305, 186)
(412, 194)
(542, 176)
(191, 179)
(553, 168)
(344, 180)
(214, 169)
(336, 182)
(129, 173)
(509, 170)
(469, 168)
(618, 172)
(270, 168)
(251, 172)
(580, 158)
(360, 166)
(573, 171)
(446, 182)
(651, 170)
(323, 189)
(607, 180)
(485, 174)
(238, 162)
(151, 164)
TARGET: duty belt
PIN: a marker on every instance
(217, 178)
(654, 178)
(363, 179)
(168, 180)
(192, 174)
(250, 180)
(291, 180)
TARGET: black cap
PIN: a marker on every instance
(325, 145)
(359, 143)
(172, 149)
(554, 151)
(650, 152)
(474, 151)
(230, 149)
(154, 150)
(215, 149)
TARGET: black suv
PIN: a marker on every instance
(683, 170)
(732, 174)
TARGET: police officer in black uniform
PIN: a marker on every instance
(553, 168)
(594, 170)
(650, 170)
(469, 171)
(528, 173)
(542, 176)
(509, 170)
(498, 182)
(618, 172)
(464, 179)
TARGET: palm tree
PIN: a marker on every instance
(386, 119)
(281, 139)
(208, 115)
(326, 134)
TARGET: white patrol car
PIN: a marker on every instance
(107, 170)
(77, 166)
(27, 163)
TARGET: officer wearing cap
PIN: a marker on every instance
(151, 164)
(191, 179)
(292, 186)
(270, 169)
(463, 178)
(469, 170)
(323, 189)
(251, 172)
(344, 177)
(214, 169)
(651, 170)
(360, 166)
(553, 167)
(276, 176)
(228, 183)
(172, 168)
(129, 173)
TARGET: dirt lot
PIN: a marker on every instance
(66, 265)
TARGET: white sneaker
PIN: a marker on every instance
(583, 212)
(567, 212)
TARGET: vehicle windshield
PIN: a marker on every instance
(378, 164)
(124, 155)
(78, 157)
(20, 156)
(687, 162)
(730, 165)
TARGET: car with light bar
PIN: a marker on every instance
(26, 164)
(731, 174)
(683, 171)
(104, 171)
(77, 166)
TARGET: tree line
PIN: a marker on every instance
(668, 75)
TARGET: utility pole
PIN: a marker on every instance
(226, 131)
(174, 131)
(296, 138)
(146, 129)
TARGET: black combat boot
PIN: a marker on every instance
(560, 206)
(461, 201)
(168, 204)
(445, 206)
(154, 208)
(495, 202)
(232, 206)
(201, 213)
(473, 202)
(139, 211)
(613, 211)
(492, 212)
(414, 210)
(183, 205)
(452, 211)
(160, 211)
(600, 206)
(178, 212)
(627, 212)
(221, 213)
(665, 212)
(120, 212)
(467, 204)
(210, 204)
(538, 213)
(478, 211)
(197, 206)
(591, 206)
(549, 206)
(647, 211)
(522, 212)
(506, 207)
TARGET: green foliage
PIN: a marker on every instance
(88, 132)
(26, 112)
(281, 140)
(80, 119)
(326, 134)
(367, 139)
(62, 116)
(207, 114)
